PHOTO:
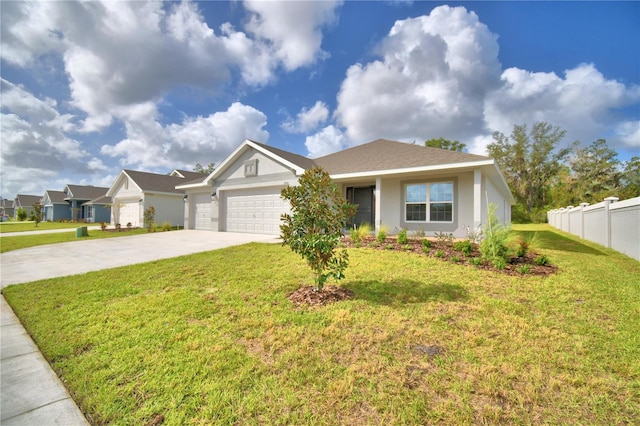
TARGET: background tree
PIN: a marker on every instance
(595, 173)
(530, 161)
(21, 214)
(205, 170)
(630, 179)
(443, 143)
(319, 213)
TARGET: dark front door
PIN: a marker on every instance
(363, 197)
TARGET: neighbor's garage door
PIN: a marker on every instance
(130, 213)
(255, 211)
(202, 211)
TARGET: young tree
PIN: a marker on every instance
(530, 161)
(149, 217)
(21, 214)
(443, 143)
(319, 213)
(36, 213)
(595, 172)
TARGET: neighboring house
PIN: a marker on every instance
(6, 208)
(98, 209)
(55, 207)
(187, 175)
(132, 192)
(394, 184)
(25, 202)
(78, 195)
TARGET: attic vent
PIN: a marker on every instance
(251, 168)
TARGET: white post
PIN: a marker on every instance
(607, 219)
(377, 206)
(477, 200)
(582, 206)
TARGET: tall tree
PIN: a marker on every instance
(530, 160)
(595, 174)
(443, 143)
(630, 179)
(198, 168)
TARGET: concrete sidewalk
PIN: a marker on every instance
(31, 393)
(47, 231)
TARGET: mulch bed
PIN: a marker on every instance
(443, 250)
(309, 296)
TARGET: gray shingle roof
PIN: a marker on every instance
(100, 200)
(27, 200)
(298, 160)
(153, 182)
(383, 154)
(190, 175)
(85, 192)
(56, 197)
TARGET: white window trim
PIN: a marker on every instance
(428, 203)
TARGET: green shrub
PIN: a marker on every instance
(542, 260)
(524, 269)
(455, 259)
(166, 225)
(149, 215)
(358, 233)
(463, 246)
(476, 261)
(426, 245)
(21, 214)
(407, 247)
(402, 237)
(382, 234)
(439, 253)
(522, 248)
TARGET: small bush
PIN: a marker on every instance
(390, 247)
(407, 247)
(463, 246)
(444, 238)
(21, 214)
(524, 269)
(402, 237)
(476, 261)
(522, 248)
(426, 245)
(358, 233)
(494, 245)
(103, 226)
(499, 263)
(129, 225)
(382, 234)
(439, 253)
(166, 226)
(542, 260)
(455, 259)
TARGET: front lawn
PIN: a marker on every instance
(211, 338)
(17, 226)
(25, 241)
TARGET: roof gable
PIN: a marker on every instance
(383, 154)
(56, 197)
(188, 175)
(23, 200)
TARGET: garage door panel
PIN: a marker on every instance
(129, 213)
(202, 211)
(255, 211)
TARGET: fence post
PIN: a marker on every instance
(582, 206)
(607, 218)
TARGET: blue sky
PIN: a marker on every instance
(91, 88)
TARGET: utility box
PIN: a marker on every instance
(82, 232)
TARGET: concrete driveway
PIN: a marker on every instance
(77, 257)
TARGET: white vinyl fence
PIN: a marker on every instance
(611, 223)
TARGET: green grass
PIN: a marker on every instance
(16, 226)
(212, 339)
(25, 241)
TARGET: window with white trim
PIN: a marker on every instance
(429, 202)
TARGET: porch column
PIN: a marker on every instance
(376, 197)
(477, 200)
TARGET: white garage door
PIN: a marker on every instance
(130, 213)
(202, 211)
(255, 211)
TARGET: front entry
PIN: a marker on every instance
(364, 198)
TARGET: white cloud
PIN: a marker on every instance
(580, 103)
(150, 145)
(431, 81)
(328, 140)
(439, 76)
(308, 119)
(293, 29)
